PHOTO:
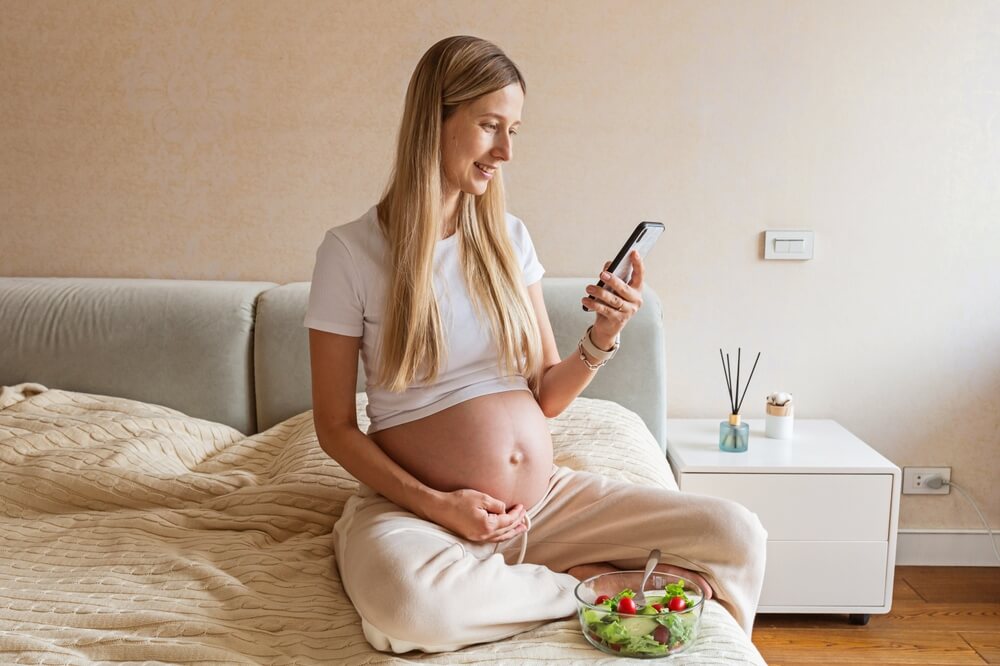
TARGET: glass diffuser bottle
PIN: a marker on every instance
(734, 436)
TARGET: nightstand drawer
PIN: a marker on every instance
(841, 573)
(807, 507)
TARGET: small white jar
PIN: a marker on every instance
(779, 421)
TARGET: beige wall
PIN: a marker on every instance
(218, 140)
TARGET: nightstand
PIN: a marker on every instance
(829, 503)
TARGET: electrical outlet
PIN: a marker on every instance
(915, 480)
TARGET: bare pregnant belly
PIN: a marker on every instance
(498, 444)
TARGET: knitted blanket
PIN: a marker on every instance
(132, 532)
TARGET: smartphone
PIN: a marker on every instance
(642, 239)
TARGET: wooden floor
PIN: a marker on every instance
(940, 615)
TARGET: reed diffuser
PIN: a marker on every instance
(734, 436)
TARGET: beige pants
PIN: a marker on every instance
(418, 586)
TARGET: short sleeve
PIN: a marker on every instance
(531, 269)
(336, 302)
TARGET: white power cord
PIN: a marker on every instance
(936, 482)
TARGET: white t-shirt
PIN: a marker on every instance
(347, 296)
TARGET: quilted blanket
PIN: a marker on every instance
(132, 532)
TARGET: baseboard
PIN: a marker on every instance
(946, 547)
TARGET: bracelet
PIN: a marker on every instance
(587, 344)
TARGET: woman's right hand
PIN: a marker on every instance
(477, 516)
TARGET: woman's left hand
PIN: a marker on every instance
(615, 302)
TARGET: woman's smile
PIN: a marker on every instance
(487, 172)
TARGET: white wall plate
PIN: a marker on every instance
(783, 244)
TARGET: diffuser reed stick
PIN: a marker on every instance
(729, 383)
(740, 405)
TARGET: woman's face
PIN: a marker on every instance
(479, 132)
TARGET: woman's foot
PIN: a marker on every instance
(585, 571)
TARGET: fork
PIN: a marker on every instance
(654, 559)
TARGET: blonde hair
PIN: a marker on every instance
(454, 71)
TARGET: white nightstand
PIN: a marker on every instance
(829, 502)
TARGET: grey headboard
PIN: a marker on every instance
(184, 344)
(236, 352)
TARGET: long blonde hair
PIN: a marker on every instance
(454, 71)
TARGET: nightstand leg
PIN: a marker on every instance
(859, 618)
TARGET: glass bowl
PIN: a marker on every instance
(644, 635)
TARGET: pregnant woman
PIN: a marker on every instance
(463, 530)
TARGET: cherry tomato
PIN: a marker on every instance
(677, 604)
(658, 607)
(661, 635)
(627, 606)
(615, 646)
(601, 599)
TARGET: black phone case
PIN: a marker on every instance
(640, 230)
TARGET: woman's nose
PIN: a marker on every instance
(504, 149)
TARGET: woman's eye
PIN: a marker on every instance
(495, 127)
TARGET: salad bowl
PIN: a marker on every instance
(612, 623)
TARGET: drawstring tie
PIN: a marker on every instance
(524, 538)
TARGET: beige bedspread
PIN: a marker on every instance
(131, 532)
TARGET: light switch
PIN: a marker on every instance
(788, 244)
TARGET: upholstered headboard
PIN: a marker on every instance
(236, 352)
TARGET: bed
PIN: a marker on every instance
(163, 497)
